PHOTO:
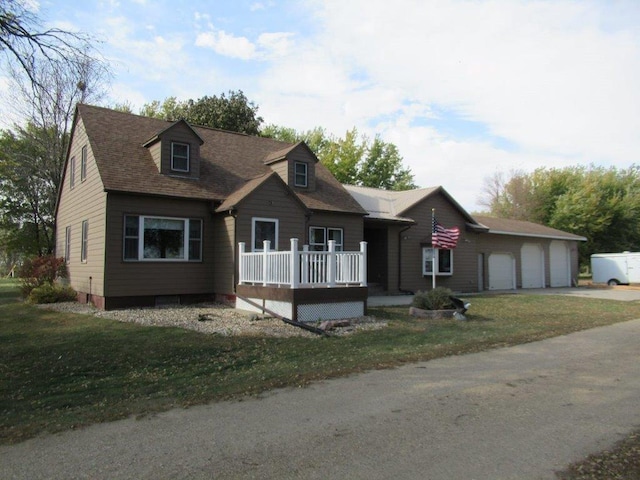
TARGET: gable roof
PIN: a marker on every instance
(393, 205)
(506, 226)
(228, 161)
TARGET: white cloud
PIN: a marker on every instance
(556, 80)
(227, 44)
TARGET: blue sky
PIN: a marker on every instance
(465, 89)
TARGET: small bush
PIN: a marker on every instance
(436, 299)
(50, 293)
(38, 271)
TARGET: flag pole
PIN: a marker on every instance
(433, 250)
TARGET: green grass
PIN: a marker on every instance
(62, 371)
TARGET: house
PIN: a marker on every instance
(152, 212)
(491, 254)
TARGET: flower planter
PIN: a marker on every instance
(433, 314)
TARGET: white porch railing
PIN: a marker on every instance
(303, 268)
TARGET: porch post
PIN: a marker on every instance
(295, 263)
(363, 264)
(266, 246)
(331, 264)
(241, 260)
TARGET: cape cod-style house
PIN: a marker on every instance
(152, 212)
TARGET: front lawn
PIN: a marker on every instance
(61, 371)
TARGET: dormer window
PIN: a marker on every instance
(300, 173)
(179, 157)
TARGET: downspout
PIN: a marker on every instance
(234, 214)
(407, 292)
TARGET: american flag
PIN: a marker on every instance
(444, 237)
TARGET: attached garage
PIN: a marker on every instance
(502, 271)
(559, 264)
(532, 270)
(526, 255)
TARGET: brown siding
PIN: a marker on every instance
(282, 169)
(498, 243)
(182, 134)
(302, 156)
(271, 200)
(352, 227)
(224, 254)
(85, 277)
(135, 278)
(464, 278)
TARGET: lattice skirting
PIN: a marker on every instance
(304, 305)
(306, 313)
(330, 311)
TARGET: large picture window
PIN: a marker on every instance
(162, 238)
(264, 229)
(444, 261)
(319, 238)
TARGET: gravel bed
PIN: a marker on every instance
(212, 318)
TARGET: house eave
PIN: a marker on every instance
(538, 235)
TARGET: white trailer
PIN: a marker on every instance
(616, 268)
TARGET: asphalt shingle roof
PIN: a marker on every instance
(229, 161)
(518, 227)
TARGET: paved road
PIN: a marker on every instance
(513, 413)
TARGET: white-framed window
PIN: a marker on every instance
(83, 164)
(153, 238)
(300, 174)
(72, 172)
(67, 244)
(319, 238)
(443, 258)
(85, 241)
(179, 157)
(264, 229)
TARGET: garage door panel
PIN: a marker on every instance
(532, 262)
(501, 271)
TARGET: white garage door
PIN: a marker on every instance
(502, 273)
(532, 260)
(560, 265)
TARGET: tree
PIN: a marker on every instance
(601, 204)
(234, 113)
(26, 44)
(353, 159)
(382, 168)
(52, 71)
(28, 197)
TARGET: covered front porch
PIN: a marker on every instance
(303, 285)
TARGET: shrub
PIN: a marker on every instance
(38, 271)
(50, 293)
(436, 299)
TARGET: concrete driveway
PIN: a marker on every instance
(513, 413)
(620, 292)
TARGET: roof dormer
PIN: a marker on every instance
(296, 165)
(176, 150)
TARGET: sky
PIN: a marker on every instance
(465, 89)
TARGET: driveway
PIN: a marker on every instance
(620, 292)
(513, 413)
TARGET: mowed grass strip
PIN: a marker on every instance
(61, 371)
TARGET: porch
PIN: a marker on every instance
(303, 285)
